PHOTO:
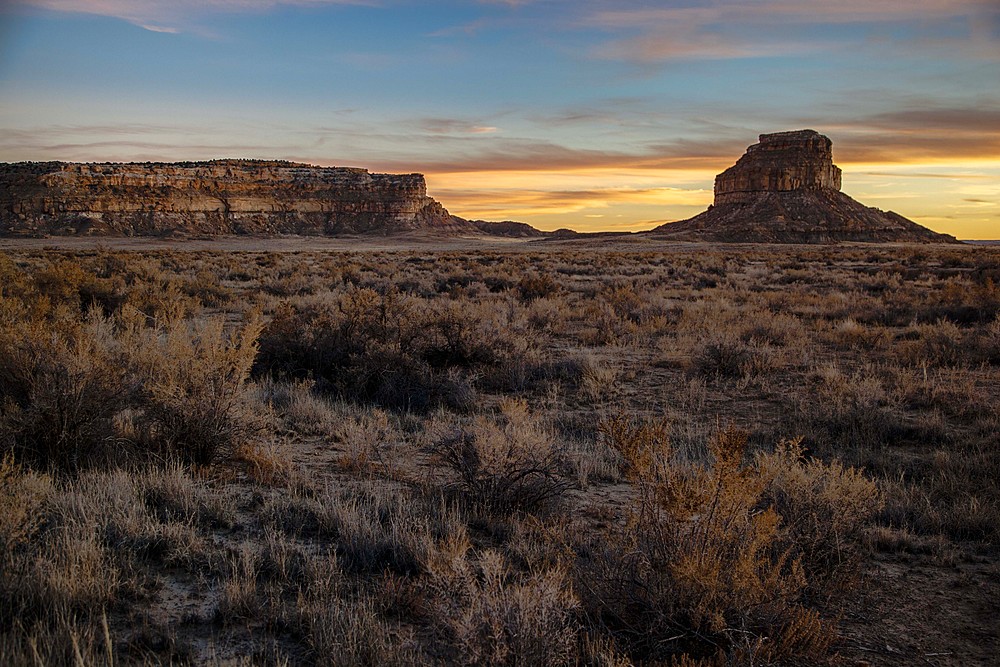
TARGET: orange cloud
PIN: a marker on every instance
(584, 199)
(926, 163)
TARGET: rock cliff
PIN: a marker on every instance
(215, 197)
(781, 162)
(786, 189)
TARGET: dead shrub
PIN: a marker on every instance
(369, 346)
(489, 615)
(365, 438)
(208, 289)
(851, 334)
(465, 334)
(61, 281)
(379, 533)
(638, 443)
(267, 462)
(725, 355)
(961, 301)
(60, 388)
(345, 627)
(505, 465)
(953, 494)
(597, 380)
(67, 640)
(303, 410)
(939, 344)
(59, 567)
(859, 409)
(172, 494)
(824, 509)
(23, 496)
(373, 530)
(162, 301)
(703, 566)
(537, 286)
(195, 393)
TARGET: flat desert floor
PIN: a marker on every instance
(603, 451)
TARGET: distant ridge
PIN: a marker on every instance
(509, 229)
(786, 189)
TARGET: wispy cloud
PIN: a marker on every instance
(641, 15)
(468, 29)
(126, 142)
(958, 176)
(158, 28)
(915, 133)
(169, 16)
(455, 126)
(919, 134)
(730, 29)
(519, 202)
(525, 155)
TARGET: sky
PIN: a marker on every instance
(583, 114)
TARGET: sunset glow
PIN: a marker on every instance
(591, 115)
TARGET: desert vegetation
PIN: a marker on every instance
(542, 455)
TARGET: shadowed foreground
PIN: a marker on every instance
(655, 455)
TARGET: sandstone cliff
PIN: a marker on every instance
(786, 189)
(215, 197)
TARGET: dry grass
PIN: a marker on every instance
(487, 614)
(720, 557)
(505, 458)
(505, 465)
(194, 387)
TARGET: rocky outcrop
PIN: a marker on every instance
(215, 197)
(786, 189)
(509, 229)
(781, 162)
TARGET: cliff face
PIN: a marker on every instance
(217, 197)
(786, 189)
(781, 162)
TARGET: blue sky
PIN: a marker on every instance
(588, 114)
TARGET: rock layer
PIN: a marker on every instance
(786, 189)
(781, 162)
(215, 197)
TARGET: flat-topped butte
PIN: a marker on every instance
(786, 189)
(211, 197)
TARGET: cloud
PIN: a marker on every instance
(913, 133)
(468, 29)
(158, 28)
(789, 11)
(127, 142)
(963, 176)
(682, 45)
(492, 176)
(904, 148)
(524, 155)
(730, 29)
(167, 15)
(966, 120)
(514, 201)
(450, 126)
(923, 133)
